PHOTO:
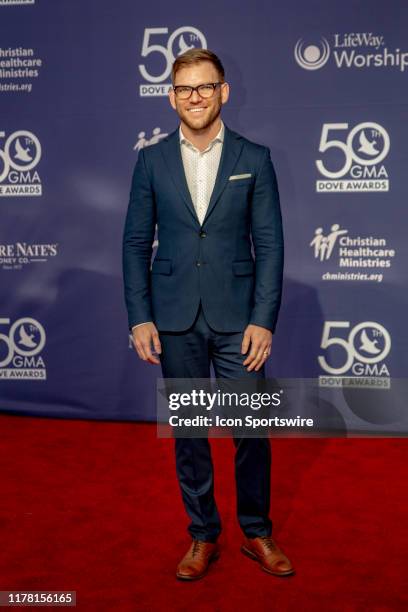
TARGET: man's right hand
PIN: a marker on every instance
(144, 337)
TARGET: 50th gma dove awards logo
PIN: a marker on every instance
(352, 159)
(361, 50)
(181, 40)
(20, 348)
(357, 359)
(19, 159)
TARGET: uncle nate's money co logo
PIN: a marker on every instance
(20, 348)
(354, 357)
(14, 256)
(352, 159)
(181, 40)
(18, 162)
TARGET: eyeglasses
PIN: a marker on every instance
(184, 92)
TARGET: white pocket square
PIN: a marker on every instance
(235, 177)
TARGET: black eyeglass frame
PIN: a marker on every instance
(214, 86)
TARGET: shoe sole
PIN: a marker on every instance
(215, 557)
(253, 556)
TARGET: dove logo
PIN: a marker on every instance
(312, 57)
(353, 162)
(20, 350)
(359, 358)
(18, 161)
(181, 40)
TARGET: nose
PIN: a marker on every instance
(195, 96)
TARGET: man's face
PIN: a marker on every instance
(196, 112)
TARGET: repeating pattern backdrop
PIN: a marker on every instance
(83, 87)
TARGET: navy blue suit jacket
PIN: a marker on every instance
(214, 262)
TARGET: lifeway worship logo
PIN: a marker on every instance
(359, 152)
(18, 161)
(359, 360)
(17, 255)
(20, 350)
(354, 257)
(181, 40)
(361, 50)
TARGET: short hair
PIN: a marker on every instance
(195, 56)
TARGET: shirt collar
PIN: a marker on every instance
(219, 137)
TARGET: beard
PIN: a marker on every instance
(201, 123)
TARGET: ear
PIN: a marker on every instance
(172, 98)
(224, 93)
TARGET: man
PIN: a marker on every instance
(205, 300)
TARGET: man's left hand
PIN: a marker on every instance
(260, 340)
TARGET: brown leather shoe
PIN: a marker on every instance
(194, 564)
(268, 554)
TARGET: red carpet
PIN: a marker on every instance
(94, 507)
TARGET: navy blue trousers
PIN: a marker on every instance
(189, 354)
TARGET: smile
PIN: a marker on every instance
(196, 110)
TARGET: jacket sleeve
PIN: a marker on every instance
(137, 248)
(267, 239)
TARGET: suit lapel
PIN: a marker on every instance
(231, 151)
(174, 161)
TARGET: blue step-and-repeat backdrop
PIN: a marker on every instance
(83, 87)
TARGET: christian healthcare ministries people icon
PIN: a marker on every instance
(205, 300)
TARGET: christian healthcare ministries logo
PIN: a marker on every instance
(142, 141)
(20, 350)
(352, 50)
(178, 42)
(351, 258)
(18, 162)
(352, 161)
(358, 359)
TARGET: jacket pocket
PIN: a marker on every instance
(241, 182)
(243, 268)
(161, 266)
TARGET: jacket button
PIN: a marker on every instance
(198, 263)
(203, 234)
